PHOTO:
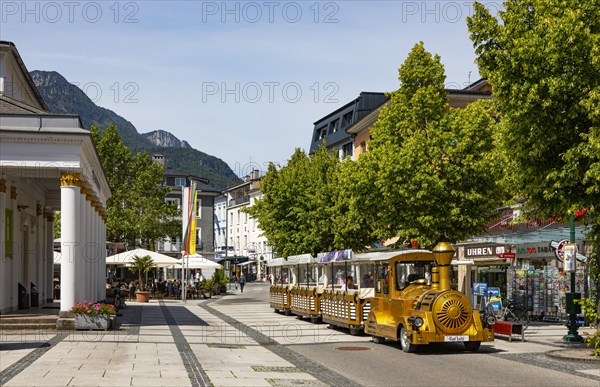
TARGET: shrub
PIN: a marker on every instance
(589, 309)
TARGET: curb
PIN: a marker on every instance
(556, 354)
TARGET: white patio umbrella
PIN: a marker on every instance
(126, 258)
(197, 261)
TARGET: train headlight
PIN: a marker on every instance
(490, 319)
(416, 322)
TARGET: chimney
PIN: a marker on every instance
(158, 158)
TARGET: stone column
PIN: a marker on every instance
(70, 224)
(83, 270)
(4, 274)
(49, 216)
(100, 264)
(12, 285)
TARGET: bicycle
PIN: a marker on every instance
(511, 313)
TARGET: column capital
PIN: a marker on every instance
(71, 179)
(13, 193)
(49, 216)
(2, 186)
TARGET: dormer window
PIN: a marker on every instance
(347, 119)
(321, 133)
(334, 126)
(180, 181)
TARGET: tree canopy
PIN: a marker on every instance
(430, 174)
(137, 213)
(295, 211)
(542, 59)
(433, 168)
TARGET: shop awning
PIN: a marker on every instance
(548, 235)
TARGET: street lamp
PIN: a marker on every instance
(572, 308)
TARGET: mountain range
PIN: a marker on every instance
(63, 97)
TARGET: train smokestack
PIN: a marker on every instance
(443, 253)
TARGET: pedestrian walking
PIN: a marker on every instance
(242, 282)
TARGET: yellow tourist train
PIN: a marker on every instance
(403, 296)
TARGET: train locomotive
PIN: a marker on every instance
(403, 296)
(415, 309)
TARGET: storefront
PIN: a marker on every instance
(482, 263)
(539, 283)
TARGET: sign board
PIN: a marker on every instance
(480, 288)
(495, 299)
(569, 254)
(559, 249)
(484, 250)
(507, 255)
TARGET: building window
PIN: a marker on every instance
(198, 207)
(321, 133)
(180, 181)
(198, 237)
(363, 146)
(347, 119)
(175, 201)
(334, 126)
(347, 150)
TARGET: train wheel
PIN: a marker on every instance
(287, 312)
(276, 310)
(404, 343)
(378, 339)
(355, 331)
(315, 319)
(472, 346)
(299, 317)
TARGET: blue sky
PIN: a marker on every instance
(241, 80)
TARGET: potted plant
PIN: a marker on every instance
(89, 315)
(207, 288)
(142, 265)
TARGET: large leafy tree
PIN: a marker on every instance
(542, 58)
(296, 210)
(137, 213)
(433, 169)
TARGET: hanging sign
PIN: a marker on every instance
(559, 249)
(569, 254)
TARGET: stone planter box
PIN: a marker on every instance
(98, 322)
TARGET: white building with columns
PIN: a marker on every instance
(48, 163)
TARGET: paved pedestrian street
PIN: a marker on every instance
(237, 340)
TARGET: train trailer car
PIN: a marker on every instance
(413, 303)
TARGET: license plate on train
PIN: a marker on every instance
(455, 339)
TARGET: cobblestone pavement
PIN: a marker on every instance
(237, 340)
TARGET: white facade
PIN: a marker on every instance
(48, 163)
(243, 233)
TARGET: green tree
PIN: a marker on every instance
(296, 210)
(136, 211)
(433, 169)
(542, 59)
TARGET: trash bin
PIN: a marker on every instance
(35, 298)
(23, 297)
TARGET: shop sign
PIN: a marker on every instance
(484, 251)
(535, 250)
